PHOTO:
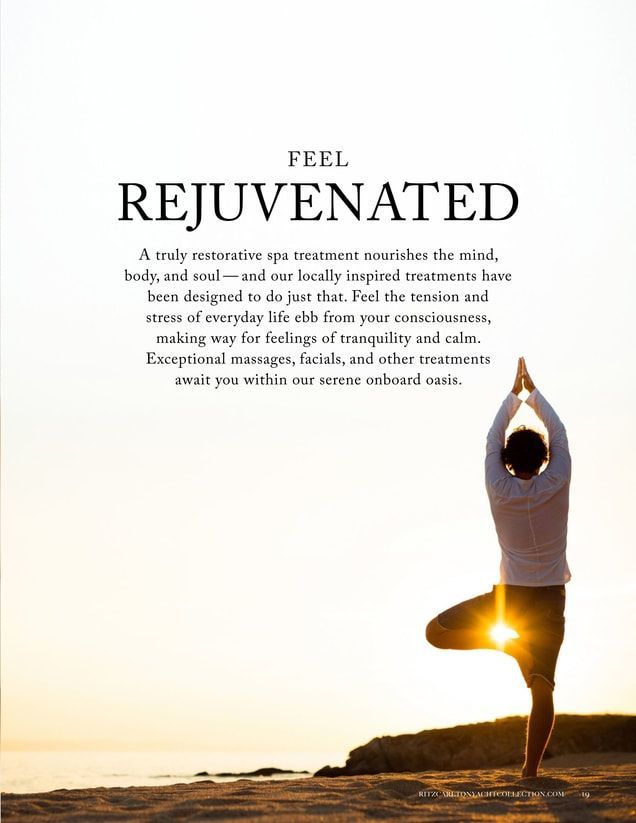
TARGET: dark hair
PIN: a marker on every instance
(525, 451)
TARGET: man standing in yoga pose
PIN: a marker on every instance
(523, 614)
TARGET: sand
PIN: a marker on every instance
(606, 791)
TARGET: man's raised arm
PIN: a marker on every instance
(560, 462)
(496, 439)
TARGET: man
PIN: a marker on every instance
(523, 614)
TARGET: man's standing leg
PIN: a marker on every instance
(545, 636)
(540, 724)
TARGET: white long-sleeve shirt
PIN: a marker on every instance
(531, 516)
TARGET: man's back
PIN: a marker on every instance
(530, 514)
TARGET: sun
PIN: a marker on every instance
(500, 633)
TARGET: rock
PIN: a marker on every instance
(331, 771)
(485, 745)
(266, 771)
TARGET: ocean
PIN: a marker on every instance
(44, 771)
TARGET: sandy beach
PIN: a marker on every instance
(576, 793)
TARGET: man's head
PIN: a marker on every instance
(525, 452)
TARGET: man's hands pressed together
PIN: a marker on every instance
(528, 382)
(522, 378)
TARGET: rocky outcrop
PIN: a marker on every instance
(265, 771)
(485, 745)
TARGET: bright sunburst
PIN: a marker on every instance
(500, 633)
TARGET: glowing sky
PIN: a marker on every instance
(254, 570)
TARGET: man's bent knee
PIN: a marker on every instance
(435, 633)
(541, 688)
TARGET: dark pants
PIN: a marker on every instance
(534, 612)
